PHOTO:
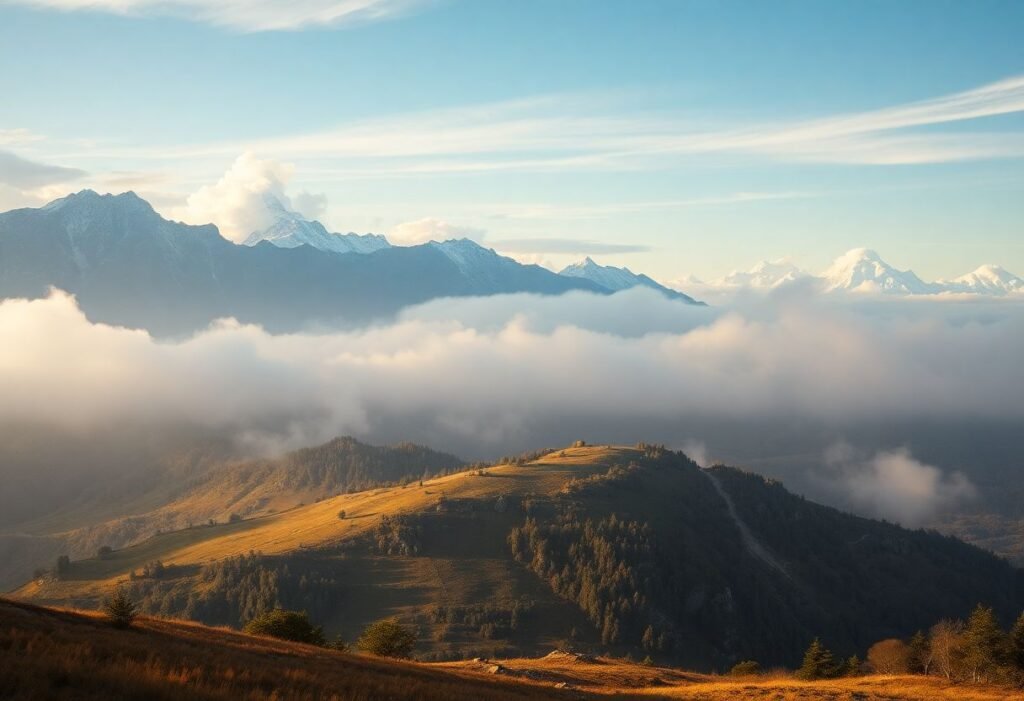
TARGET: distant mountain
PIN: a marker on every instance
(128, 265)
(987, 280)
(291, 229)
(764, 275)
(863, 270)
(616, 279)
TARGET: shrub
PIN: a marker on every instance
(286, 625)
(745, 668)
(890, 657)
(234, 518)
(387, 638)
(104, 552)
(120, 609)
(342, 514)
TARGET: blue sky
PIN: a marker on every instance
(678, 138)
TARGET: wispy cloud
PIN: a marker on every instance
(245, 15)
(583, 133)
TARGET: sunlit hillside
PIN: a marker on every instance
(607, 548)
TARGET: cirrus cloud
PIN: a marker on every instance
(246, 15)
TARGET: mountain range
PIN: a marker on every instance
(129, 266)
(863, 271)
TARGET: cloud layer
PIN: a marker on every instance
(493, 368)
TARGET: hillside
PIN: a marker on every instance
(608, 548)
(47, 653)
(192, 487)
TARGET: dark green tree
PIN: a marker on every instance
(286, 625)
(819, 663)
(387, 638)
(851, 668)
(984, 644)
(920, 653)
(120, 609)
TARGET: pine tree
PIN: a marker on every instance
(851, 668)
(920, 653)
(984, 644)
(120, 609)
(819, 662)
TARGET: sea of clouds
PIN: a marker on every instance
(489, 374)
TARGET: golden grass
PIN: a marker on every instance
(51, 653)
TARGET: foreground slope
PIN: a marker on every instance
(623, 549)
(47, 653)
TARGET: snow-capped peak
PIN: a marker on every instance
(290, 230)
(863, 270)
(986, 279)
(606, 276)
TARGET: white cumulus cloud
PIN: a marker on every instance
(238, 202)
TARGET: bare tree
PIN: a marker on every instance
(947, 642)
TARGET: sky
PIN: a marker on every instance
(677, 138)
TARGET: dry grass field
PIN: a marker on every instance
(63, 654)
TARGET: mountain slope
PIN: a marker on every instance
(616, 279)
(291, 229)
(129, 266)
(623, 549)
